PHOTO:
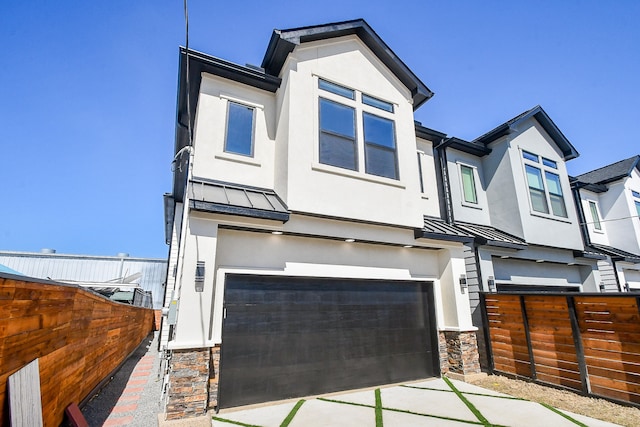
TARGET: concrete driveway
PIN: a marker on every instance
(434, 402)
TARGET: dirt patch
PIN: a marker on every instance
(591, 407)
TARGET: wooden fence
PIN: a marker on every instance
(78, 336)
(585, 342)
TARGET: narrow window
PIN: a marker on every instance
(375, 102)
(536, 189)
(239, 138)
(530, 156)
(380, 146)
(337, 135)
(468, 184)
(549, 163)
(638, 207)
(337, 89)
(421, 174)
(594, 216)
(555, 194)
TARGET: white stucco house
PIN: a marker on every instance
(308, 253)
(609, 201)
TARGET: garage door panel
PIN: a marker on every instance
(286, 337)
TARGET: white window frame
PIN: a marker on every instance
(360, 108)
(595, 221)
(474, 174)
(544, 169)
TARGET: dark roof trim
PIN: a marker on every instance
(595, 188)
(202, 206)
(610, 173)
(169, 215)
(491, 236)
(616, 254)
(429, 134)
(441, 236)
(569, 152)
(472, 148)
(437, 229)
(283, 42)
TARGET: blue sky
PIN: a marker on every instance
(88, 91)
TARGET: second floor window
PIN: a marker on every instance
(636, 200)
(468, 184)
(239, 136)
(545, 189)
(353, 124)
(594, 215)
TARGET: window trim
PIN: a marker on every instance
(544, 169)
(360, 108)
(253, 130)
(596, 221)
(474, 172)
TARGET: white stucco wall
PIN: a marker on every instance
(322, 189)
(430, 196)
(596, 236)
(619, 212)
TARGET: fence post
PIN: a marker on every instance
(525, 321)
(485, 328)
(577, 341)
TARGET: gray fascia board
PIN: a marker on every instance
(283, 42)
(429, 134)
(202, 206)
(419, 233)
(472, 148)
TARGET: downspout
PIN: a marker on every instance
(443, 181)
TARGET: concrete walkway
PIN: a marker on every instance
(436, 402)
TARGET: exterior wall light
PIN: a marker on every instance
(602, 286)
(627, 288)
(463, 283)
(199, 276)
(491, 282)
(349, 240)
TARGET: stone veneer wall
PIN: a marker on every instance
(458, 352)
(188, 383)
(214, 370)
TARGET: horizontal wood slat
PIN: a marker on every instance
(79, 338)
(606, 348)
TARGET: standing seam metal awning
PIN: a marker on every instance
(232, 199)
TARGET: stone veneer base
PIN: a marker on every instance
(458, 353)
(188, 383)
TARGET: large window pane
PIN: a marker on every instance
(555, 194)
(380, 146)
(468, 184)
(536, 189)
(594, 216)
(239, 138)
(337, 135)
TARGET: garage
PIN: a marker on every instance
(285, 337)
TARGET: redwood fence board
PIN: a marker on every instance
(585, 342)
(78, 337)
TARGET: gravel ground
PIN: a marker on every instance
(145, 414)
(595, 408)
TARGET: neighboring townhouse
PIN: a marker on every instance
(509, 190)
(308, 252)
(609, 201)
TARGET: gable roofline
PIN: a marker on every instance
(283, 42)
(568, 150)
(610, 173)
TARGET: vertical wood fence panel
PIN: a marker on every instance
(79, 338)
(589, 343)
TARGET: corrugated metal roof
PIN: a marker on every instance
(617, 253)
(435, 228)
(491, 236)
(218, 197)
(90, 268)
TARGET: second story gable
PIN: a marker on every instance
(327, 124)
(610, 198)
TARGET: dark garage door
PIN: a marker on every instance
(286, 337)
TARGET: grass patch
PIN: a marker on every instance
(470, 405)
(238, 423)
(378, 408)
(292, 414)
(466, 392)
(562, 414)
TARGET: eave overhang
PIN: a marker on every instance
(283, 42)
(437, 229)
(472, 148)
(568, 150)
(616, 254)
(429, 134)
